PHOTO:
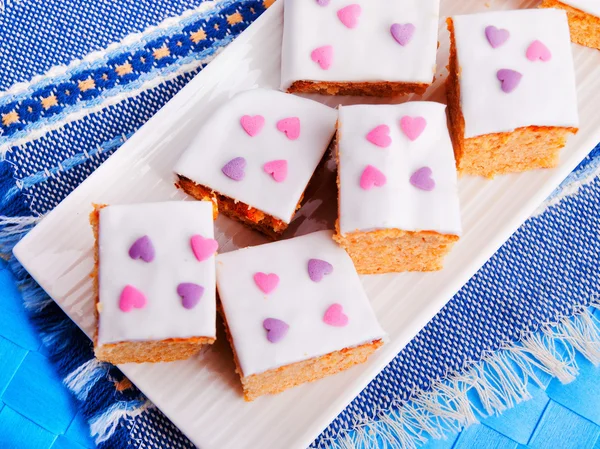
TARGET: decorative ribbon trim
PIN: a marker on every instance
(29, 111)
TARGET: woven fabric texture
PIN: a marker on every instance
(91, 74)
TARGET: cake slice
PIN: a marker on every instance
(511, 90)
(362, 47)
(584, 19)
(154, 281)
(295, 312)
(255, 156)
(398, 199)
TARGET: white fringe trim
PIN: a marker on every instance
(16, 226)
(500, 381)
(103, 426)
(570, 189)
(83, 379)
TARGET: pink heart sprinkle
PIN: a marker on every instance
(290, 127)
(318, 268)
(190, 294)
(142, 249)
(380, 136)
(403, 33)
(538, 51)
(276, 329)
(334, 316)
(422, 179)
(131, 298)
(277, 169)
(235, 169)
(323, 56)
(252, 125)
(349, 15)
(495, 36)
(509, 79)
(266, 282)
(370, 177)
(203, 248)
(413, 127)
(323, 2)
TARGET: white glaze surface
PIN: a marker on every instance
(297, 300)
(398, 204)
(590, 6)
(365, 53)
(546, 95)
(222, 138)
(170, 225)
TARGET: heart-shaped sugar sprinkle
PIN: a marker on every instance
(334, 316)
(538, 51)
(380, 136)
(252, 124)
(203, 248)
(323, 2)
(349, 15)
(323, 56)
(276, 329)
(290, 127)
(266, 282)
(372, 177)
(277, 169)
(421, 179)
(190, 294)
(235, 169)
(413, 127)
(495, 36)
(318, 268)
(142, 249)
(509, 79)
(403, 32)
(131, 298)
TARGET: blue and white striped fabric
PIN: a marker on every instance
(80, 77)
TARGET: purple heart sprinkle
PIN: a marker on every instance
(190, 294)
(509, 79)
(323, 2)
(276, 329)
(495, 36)
(234, 169)
(403, 33)
(422, 179)
(318, 268)
(143, 249)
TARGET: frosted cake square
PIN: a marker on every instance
(362, 47)
(295, 311)
(255, 156)
(154, 281)
(584, 19)
(398, 199)
(511, 90)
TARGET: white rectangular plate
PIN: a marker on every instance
(202, 396)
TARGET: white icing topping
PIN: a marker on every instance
(367, 52)
(297, 300)
(169, 226)
(398, 204)
(589, 6)
(546, 94)
(222, 139)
